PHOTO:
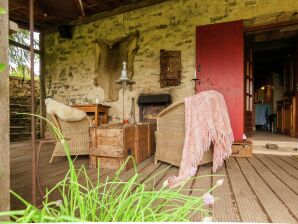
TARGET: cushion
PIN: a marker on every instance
(64, 112)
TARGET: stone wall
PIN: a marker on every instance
(22, 88)
(70, 64)
(20, 102)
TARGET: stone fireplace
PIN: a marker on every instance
(151, 105)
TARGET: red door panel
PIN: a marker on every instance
(219, 57)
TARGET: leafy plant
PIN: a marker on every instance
(111, 200)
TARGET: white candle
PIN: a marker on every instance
(195, 74)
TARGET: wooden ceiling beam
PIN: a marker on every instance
(271, 26)
(97, 9)
(24, 24)
(105, 14)
(79, 5)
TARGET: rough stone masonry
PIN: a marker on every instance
(70, 64)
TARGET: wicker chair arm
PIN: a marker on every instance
(169, 108)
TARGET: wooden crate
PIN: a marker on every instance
(145, 141)
(242, 149)
(112, 144)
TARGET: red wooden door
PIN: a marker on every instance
(219, 60)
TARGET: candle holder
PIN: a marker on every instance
(195, 81)
(124, 81)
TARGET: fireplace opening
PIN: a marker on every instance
(151, 105)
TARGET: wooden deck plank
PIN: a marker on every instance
(93, 175)
(278, 172)
(290, 161)
(203, 181)
(173, 171)
(283, 192)
(147, 171)
(26, 165)
(249, 208)
(275, 209)
(284, 165)
(223, 208)
(56, 170)
(140, 167)
(23, 152)
(25, 188)
(294, 158)
(201, 185)
(156, 177)
(235, 195)
(185, 190)
(104, 174)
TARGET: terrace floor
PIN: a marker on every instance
(260, 189)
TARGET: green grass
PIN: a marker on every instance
(108, 201)
(21, 76)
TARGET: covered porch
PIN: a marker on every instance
(263, 188)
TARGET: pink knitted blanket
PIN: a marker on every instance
(206, 121)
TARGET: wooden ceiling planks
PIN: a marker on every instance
(49, 14)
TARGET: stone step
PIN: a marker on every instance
(16, 137)
(286, 151)
(20, 121)
(285, 144)
(18, 115)
(19, 127)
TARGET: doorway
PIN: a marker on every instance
(270, 83)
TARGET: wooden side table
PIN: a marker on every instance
(96, 109)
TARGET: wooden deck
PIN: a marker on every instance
(261, 189)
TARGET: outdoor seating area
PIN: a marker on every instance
(149, 110)
(258, 189)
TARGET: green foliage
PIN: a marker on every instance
(107, 201)
(2, 11)
(2, 67)
(19, 59)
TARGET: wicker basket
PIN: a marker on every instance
(170, 135)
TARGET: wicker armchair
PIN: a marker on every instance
(77, 135)
(170, 135)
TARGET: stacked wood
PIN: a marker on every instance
(111, 145)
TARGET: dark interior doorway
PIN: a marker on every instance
(272, 60)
